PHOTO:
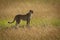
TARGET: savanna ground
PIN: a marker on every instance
(45, 21)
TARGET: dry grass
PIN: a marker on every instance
(47, 10)
(32, 33)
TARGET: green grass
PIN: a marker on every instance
(55, 22)
(33, 22)
(4, 23)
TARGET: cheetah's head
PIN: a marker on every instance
(31, 11)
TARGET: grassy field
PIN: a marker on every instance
(44, 25)
(32, 33)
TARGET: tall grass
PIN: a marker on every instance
(32, 33)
